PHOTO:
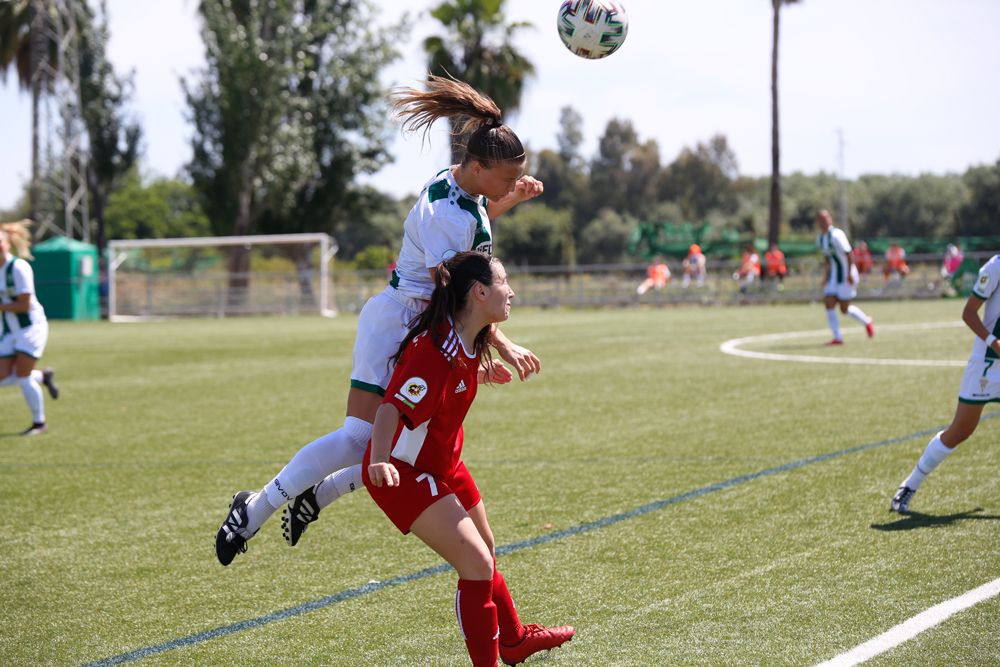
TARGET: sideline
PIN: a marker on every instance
(907, 630)
(375, 586)
(732, 347)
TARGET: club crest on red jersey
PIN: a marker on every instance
(415, 389)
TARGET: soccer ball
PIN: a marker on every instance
(592, 28)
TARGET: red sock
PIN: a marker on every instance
(510, 624)
(477, 621)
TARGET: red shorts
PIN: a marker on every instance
(418, 490)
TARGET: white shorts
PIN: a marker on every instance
(30, 341)
(844, 291)
(981, 382)
(382, 326)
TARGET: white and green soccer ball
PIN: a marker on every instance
(592, 28)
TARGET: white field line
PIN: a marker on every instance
(913, 627)
(732, 347)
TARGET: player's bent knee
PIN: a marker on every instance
(477, 566)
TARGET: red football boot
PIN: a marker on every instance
(536, 638)
(835, 341)
(870, 328)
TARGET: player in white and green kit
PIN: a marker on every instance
(980, 383)
(24, 329)
(452, 214)
(840, 282)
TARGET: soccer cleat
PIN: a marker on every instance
(37, 428)
(49, 380)
(870, 328)
(536, 638)
(901, 501)
(229, 541)
(835, 341)
(298, 514)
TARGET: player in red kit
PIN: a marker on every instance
(413, 462)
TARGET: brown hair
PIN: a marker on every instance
(491, 142)
(453, 279)
(19, 237)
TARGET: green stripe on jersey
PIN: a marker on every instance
(482, 240)
(438, 190)
(23, 319)
(370, 388)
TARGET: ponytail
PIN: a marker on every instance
(490, 141)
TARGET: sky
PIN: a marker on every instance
(912, 86)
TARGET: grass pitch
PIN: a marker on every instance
(668, 500)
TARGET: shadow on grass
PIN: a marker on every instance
(914, 520)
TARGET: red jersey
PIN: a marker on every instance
(433, 389)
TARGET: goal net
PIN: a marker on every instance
(281, 274)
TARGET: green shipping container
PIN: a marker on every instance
(67, 279)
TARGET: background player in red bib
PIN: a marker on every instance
(414, 468)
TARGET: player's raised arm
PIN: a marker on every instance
(525, 188)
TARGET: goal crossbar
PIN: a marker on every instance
(117, 251)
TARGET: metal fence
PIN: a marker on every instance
(614, 285)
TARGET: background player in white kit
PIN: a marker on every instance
(980, 384)
(452, 214)
(840, 282)
(25, 330)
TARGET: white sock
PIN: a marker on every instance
(259, 510)
(858, 314)
(934, 454)
(33, 395)
(36, 375)
(341, 449)
(831, 317)
(339, 484)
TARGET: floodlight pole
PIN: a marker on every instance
(842, 184)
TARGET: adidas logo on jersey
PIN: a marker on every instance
(461, 387)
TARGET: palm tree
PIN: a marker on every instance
(478, 49)
(26, 45)
(21, 45)
(774, 219)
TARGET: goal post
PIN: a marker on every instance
(220, 276)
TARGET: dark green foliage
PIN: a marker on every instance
(285, 117)
(981, 213)
(603, 239)
(374, 257)
(535, 234)
(164, 208)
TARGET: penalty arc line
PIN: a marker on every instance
(733, 347)
(909, 629)
(375, 586)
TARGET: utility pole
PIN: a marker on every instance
(842, 220)
(59, 186)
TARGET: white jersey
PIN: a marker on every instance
(16, 278)
(444, 221)
(988, 288)
(835, 247)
